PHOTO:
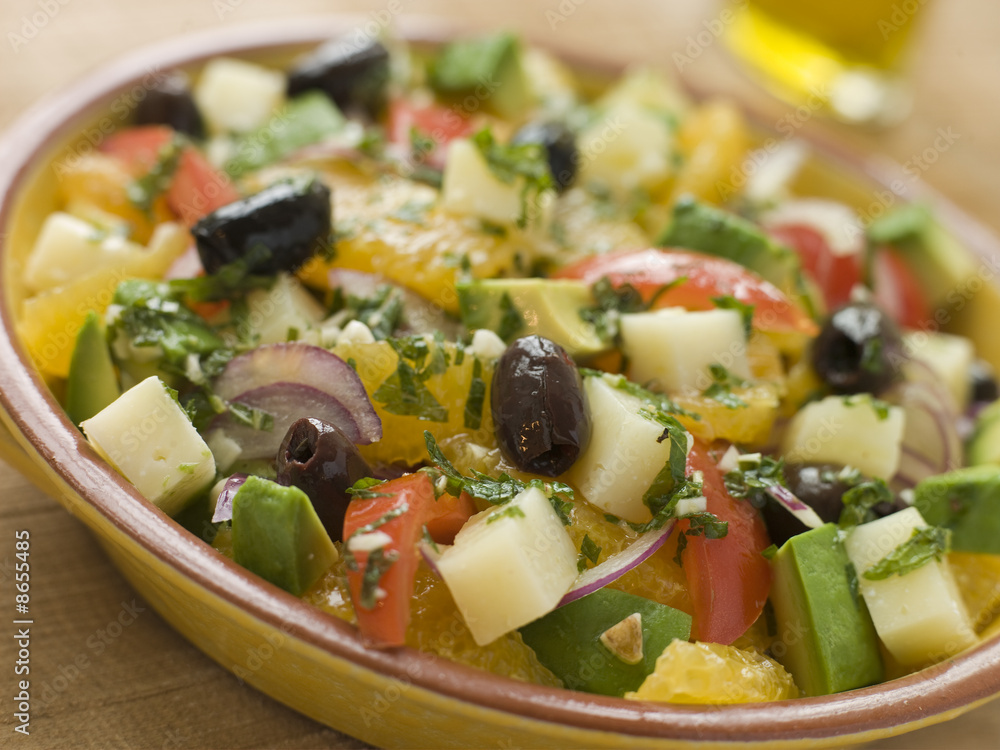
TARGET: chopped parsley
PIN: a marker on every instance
(658, 402)
(496, 491)
(477, 395)
(382, 312)
(511, 320)
(880, 407)
(721, 389)
(378, 564)
(860, 500)
(751, 480)
(405, 391)
(925, 544)
(349, 559)
(613, 302)
(363, 489)
(508, 163)
(703, 524)
(511, 511)
(143, 191)
(589, 550)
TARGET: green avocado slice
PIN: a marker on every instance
(92, 382)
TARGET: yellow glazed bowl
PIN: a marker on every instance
(314, 662)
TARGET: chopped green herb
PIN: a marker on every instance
(880, 407)
(511, 321)
(511, 511)
(925, 544)
(721, 389)
(379, 562)
(414, 212)
(656, 401)
(495, 491)
(508, 163)
(382, 312)
(614, 301)
(476, 397)
(349, 559)
(853, 584)
(405, 392)
(144, 191)
(589, 549)
(860, 500)
(363, 489)
(421, 143)
(701, 524)
(752, 482)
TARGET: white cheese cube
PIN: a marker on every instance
(272, 314)
(238, 96)
(671, 349)
(627, 148)
(509, 566)
(68, 248)
(146, 436)
(623, 456)
(470, 188)
(846, 430)
(949, 357)
(920, 616)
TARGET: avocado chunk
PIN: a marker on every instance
(568, 640)
(278, 536)
(488, 68)
(92, 382)
(984, 444)
(522, 307)
(967, 501)
(826, 638)
(707, 229)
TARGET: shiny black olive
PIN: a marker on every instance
(319, 459)
(857, 350)
(560, 149)
(169, 102)
(984, 382)
(353, 72)
(278, 229)
(539, 410)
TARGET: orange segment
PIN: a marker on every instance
(710, 673)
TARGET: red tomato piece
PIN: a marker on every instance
(411, 505)
(197, 188)
(729, 579)
(835, 275)
(897, 290)
(434, 121)
(705, 277)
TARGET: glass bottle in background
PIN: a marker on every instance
(846, 54)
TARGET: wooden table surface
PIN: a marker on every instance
(100, 684)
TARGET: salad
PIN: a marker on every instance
(537, 377)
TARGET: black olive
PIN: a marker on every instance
(984, 382)
(278, 229)
(857, 350)
(539, 410)
(352, 73)
(169, 102)
(319, 459)
(819, 486)
(560, 149)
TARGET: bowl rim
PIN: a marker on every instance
(39, 424)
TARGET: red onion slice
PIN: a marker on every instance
(787, 500)
(224, 504)
(297, 363)
(285, 402)
(618, 564)
(431, 556)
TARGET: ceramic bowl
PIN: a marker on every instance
(316, 663)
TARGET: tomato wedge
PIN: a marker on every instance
(897, 290)
(729, 579)
(704, 277)
(835, 275)
(401, 510)
(438, 123)
(196, 189)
